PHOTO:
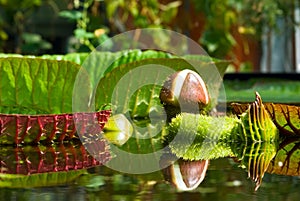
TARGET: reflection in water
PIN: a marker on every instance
(118, 129)
(220, 183)
(287, 159)
(256, 158)
(29, 159)
(183, 174)
(28, 165)
(263, 157)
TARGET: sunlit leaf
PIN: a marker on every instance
(37, 84)
(33, 85)
(136, 86)
(285, 117)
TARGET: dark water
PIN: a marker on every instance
(224, 181)
(61, 172)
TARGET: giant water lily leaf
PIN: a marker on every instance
(102, 61)
(134, 88)
(39, 93)
(56, 78)
(98, 63)
(32, 86)
(110, 60)
(285, 117)
(35, 86)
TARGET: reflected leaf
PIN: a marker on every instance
(287, 159)
(29, 159)
(185, 175)
(256, 158)
(56, 164)
(40, 180)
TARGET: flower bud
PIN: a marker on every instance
(184, 91)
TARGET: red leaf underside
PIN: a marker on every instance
(17, 129)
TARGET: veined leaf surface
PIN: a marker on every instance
(37, 86)
(41, 86)
(31, 85)
(285, 117)
(134, 87)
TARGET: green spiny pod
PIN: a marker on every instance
(188, 134)
(197, 137)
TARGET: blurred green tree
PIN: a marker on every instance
(13, 36)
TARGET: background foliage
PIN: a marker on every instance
(221, 27)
